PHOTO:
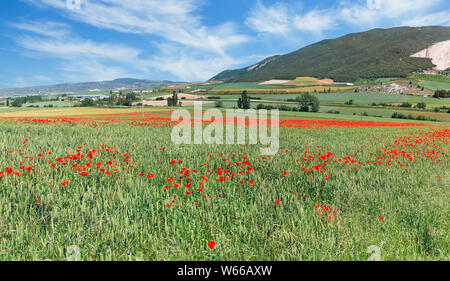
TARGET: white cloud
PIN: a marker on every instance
(80, 59)
(172, 20)
(385, 12)
(441, 18)
(91, 70)
(273, 19)
(78, 48)
(282, 19)
(49, 28)
(188, 49)
(191, 66)
(314, 21)
(188, 68)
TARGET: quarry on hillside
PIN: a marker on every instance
(439, 54)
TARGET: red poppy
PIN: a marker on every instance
(211, 244)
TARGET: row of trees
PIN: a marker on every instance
(126, 100)
(442, 94)
(18, 102)
(306, 102)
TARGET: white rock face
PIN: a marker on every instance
(439, 54)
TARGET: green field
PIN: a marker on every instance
(53, 103)
(362, 102)
(435, 85)
(367, 82)
(399, 204)
(362, 98)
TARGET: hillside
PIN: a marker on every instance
(373, 54)
(439, 54)
(127, 83)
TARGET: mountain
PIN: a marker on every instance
(120, 83)
(373, 54)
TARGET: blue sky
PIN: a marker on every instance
(56, 41)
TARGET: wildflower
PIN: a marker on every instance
(211, 244)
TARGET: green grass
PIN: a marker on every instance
(387, 112)
(363, 99)
(429, 77)
(362, 102)
(435, 85)
(54, 103)
(125, 217)
(367, 82)
(15, 109)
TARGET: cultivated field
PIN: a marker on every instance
(112, 185)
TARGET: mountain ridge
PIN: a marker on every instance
(129, 83)
(375, 53)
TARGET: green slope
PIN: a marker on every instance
(373, 54)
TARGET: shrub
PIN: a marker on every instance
(16, 103)
(421, 105)
(308, 102)
(87, 103)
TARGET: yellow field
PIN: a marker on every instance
(305, 81)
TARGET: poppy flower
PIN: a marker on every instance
(211, 244)
(64, 183)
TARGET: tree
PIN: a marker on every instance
(175, 98)
(442, 94)
(87, 103)
(244, 101)
(421, 105)
(308, 102)
(173, 101)
(16, 103)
